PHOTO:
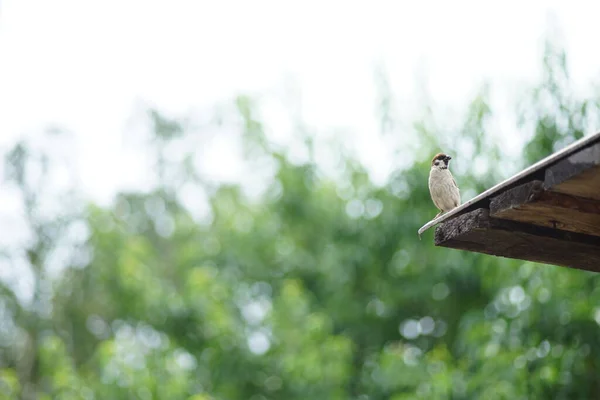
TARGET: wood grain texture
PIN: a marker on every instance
(477, 231)
(577, 175)
(530, 203)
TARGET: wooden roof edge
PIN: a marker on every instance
(478, 231)
(551, 159)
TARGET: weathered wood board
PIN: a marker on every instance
(477, 231)
(530, 203)
(577, 175)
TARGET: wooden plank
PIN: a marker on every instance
(477, 231)
(577, 174)
(530, 203)
(586, 184)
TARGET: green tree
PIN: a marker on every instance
(318, 288)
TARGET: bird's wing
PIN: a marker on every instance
(436, 203)
(457, 199)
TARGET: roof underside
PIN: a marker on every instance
(549, 212)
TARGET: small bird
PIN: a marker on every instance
(444, 190)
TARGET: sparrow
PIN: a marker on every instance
(442, 187)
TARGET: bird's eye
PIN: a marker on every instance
(437, 163)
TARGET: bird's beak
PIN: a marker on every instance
(448, 158)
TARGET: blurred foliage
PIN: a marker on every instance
(556, 114)
(319, 289)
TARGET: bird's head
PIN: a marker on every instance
(440, 161)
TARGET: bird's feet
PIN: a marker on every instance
(438, 214)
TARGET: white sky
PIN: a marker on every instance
(84, 65)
